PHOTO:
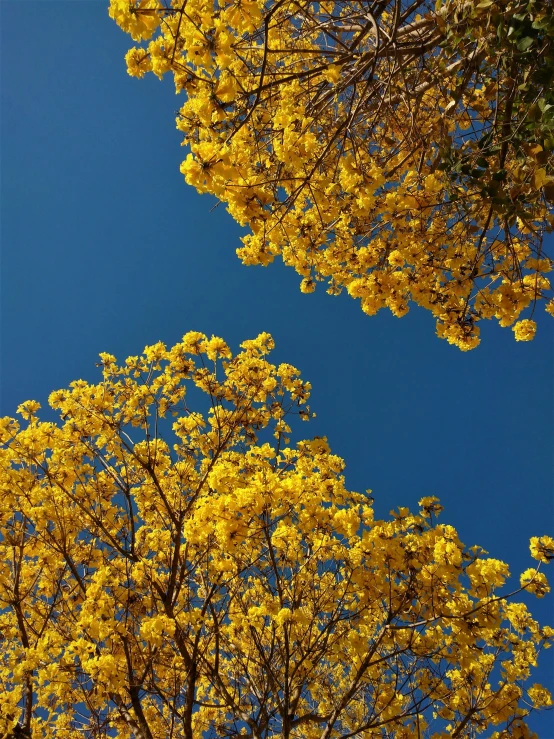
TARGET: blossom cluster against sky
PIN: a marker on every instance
(104, 248)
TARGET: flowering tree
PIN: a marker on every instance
(401, 150)
(170, 572)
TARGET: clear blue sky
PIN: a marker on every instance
(105, 248)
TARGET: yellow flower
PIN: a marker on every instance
(284, 616)
(535, 582)
(28, 409)
(395, 259)
(540, 697)
(525, 330)
(430, 505)
(138, 62)
(542, 548)
(332, 73)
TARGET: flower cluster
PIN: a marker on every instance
(345, 142)
(179, 568)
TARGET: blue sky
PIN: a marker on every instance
(104, 248)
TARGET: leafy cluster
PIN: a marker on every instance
(170, 571)
(402, 151)
(516, 64)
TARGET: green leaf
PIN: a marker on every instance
(525, 43)
(485, 140)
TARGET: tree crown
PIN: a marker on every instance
(179, 569)
(402, 151)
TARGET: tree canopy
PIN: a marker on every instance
(399, 150)
(173, 567)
